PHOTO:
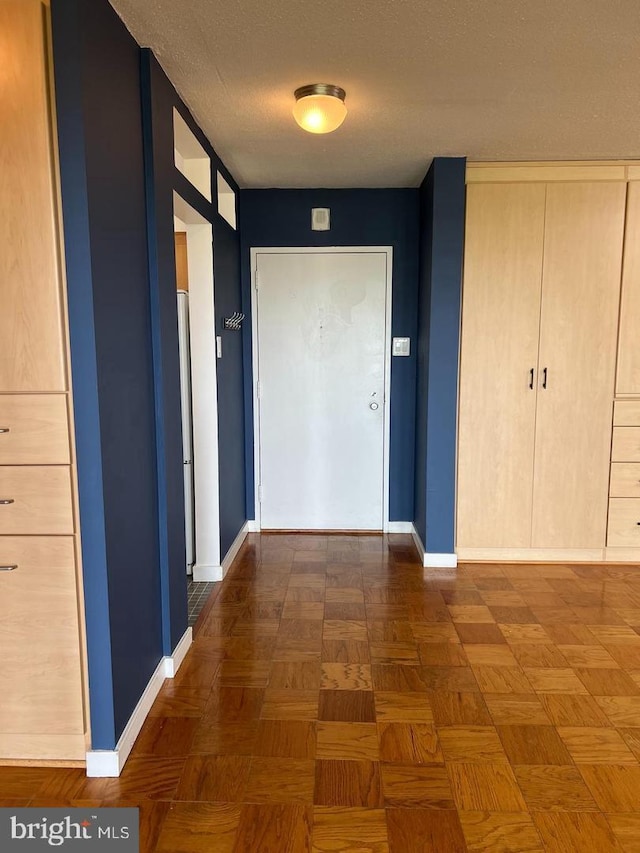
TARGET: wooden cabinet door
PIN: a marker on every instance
(500, 323)
(628, 380)
(584, 226)
(31, 331)
(40, 673)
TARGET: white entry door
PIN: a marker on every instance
(321, 364)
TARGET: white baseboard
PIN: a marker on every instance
(432, 560)
(210, 573)
(206, 573)
(417, 541)
(109, 762)
(172, 664)
(253, 526)
(400, 527)
(440, 561)
(232, 553)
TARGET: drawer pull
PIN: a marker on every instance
(8, 568)
(4, 429)
(6, 501)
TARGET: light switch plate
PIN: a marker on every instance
(401, 346)
(219, 346)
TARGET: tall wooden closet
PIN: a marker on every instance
(42, 671)
(540, 325)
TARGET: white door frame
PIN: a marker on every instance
(204, 393)
(315, 250)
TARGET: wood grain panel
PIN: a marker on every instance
(625, 480)
(41, 500)
(628, 378)
(350, 829)
(31, 330)
(624, 523)
(420, 830)
(500, 317)
(485, 831)
(182, 266)
(562, 831)
(348, 783)
(197, 827)
(580, 295)
(626, 412)
(34, 429)
(43, 750)
(40, 677)
(546, 172)
(625, 446)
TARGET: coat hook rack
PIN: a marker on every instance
(234, 322)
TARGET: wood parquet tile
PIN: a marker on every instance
(339, 697)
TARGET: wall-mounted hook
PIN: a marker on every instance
(234, 322)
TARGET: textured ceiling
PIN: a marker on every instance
(489, 79)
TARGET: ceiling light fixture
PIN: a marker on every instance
(319, 107)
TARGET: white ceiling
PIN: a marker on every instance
(488, 79)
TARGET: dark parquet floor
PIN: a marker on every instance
(339, 697)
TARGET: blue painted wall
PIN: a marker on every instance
(359, 217)
(160, 97)
(157, 92)
(97, 71)
(442, 205)
(115, 120)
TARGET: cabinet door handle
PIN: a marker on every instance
(531, 376)
(6, 501)
(4, 429)
(544, 378)
(8, 568)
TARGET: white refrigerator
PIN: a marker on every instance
(187, 435)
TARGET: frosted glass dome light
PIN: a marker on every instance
(319, 107)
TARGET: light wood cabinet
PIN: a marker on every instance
(584, 226)
(40, 673)
(624, 523)
(36, 500)
(43, 710)
(628, 378)
(623, 532)
(625, 480)
(626, 412)
(32, 355)
(34, 429)
(533, 462)
(625, 446)
(499, 357)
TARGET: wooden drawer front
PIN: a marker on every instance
(40, 674)
(626, 413)
(625, 480)
(626, 444)
(41, 500)
(624, 523)
(34, 429)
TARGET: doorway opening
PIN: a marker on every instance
(199, 398)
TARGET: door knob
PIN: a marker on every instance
(373, 406)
